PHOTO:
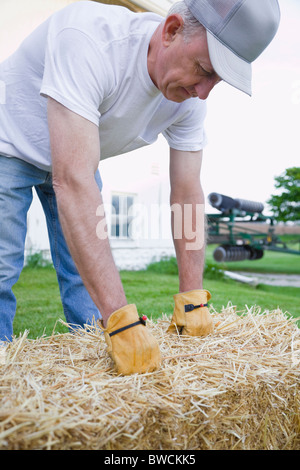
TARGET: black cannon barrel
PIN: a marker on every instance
(250, 206)
(221, 202)
(226, 203)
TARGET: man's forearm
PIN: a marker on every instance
(77, 205)
(188, 228)
(75, 151)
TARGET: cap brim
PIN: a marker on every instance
(230, 68)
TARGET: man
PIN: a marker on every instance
(95, 81)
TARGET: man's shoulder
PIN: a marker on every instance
(90, 9)
(101, 19)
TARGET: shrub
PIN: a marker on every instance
(168, 265)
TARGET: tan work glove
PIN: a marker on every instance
(191, 316)
(129, 342)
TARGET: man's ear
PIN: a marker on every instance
(173, 25)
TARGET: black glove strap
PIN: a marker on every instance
(141, 321)
(190, 307)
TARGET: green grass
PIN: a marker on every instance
(38, 302)
(153, 294)
(152, 290)
(271, 262)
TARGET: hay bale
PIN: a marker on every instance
(238, 388)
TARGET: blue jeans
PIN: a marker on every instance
(17, 178)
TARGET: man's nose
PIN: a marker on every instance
(205, 85)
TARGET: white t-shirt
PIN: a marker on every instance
(92, 58)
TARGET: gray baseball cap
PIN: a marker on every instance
(237, 33)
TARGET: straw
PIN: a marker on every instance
(237, 388)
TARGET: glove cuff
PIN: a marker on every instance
(141, 321)
(200, 296)
(122, 319)
(187, 301)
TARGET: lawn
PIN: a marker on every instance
(271, 262)
(39, 307)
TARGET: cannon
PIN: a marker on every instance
(226, 204)
(238, 241)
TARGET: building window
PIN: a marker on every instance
(120, 217)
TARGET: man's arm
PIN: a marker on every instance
(188, 219)
(75, 150)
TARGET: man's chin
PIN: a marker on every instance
(178, 95)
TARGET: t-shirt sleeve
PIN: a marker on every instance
(74, 74)
(187, 133)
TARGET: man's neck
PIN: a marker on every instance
(153, 53)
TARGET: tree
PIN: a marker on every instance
(286, 206)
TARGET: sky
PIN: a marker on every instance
(250, 140)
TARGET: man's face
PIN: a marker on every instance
(185, 70)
